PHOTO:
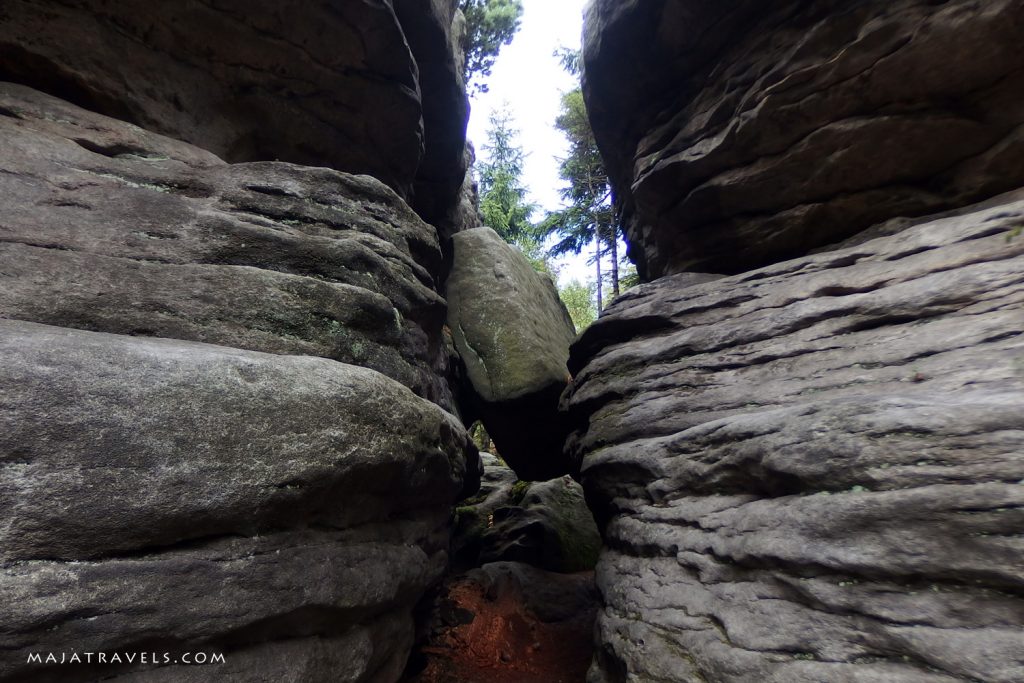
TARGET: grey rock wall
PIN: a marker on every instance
(742, 133)
(802, 438)
(110, 228)
(170, 496)
(813, 471)
(364, 87)
(192, 458)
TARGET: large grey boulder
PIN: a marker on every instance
(365, 87)
(191, 458)
(740, 133)
(184, 497)
(814, 472)
(513, 334)
(543, 524)
(111, 228)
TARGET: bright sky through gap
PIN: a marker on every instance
(531, 80)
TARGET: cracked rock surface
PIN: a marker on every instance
(364, 87)
(742, 133)
(110, 228)
(171, 495)
(813, 471)
(219, 407)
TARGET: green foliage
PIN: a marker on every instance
(589, 216)
(579, 300)
(481, 439)
(533, 249)
(490, 24)
(572, 60)
(630, 277)
(518, 492)
(502, 194)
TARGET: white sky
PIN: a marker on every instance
(531, 80)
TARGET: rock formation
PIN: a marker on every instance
(821, 479)
(245, 315)
(434, 31)
(543, 524)
(712, 115)
(810, 470)
(111, 228)
(225, 402)
(363, 87)
(513, 334)
(172, 496)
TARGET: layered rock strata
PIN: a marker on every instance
(812, 471)
(743, 133)
(191, 458)
(369, 87)
(110, 228)
(161, 495)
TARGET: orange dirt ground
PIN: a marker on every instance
(506, 644)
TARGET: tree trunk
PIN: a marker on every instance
(597, 240)
(615, 263)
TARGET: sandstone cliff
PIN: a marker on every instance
(227, 423)
(741, 133)
(810, 470)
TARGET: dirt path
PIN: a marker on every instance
(506, 643)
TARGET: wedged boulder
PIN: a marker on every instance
(110, 228)
(542, 524)
(742, 133)
(364, 87)
(175, 496)
(813, 472)
(513, 334)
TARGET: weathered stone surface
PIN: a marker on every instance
(433, 30)
(545, 524)
(180, 496)
(542, 524)
(107, 227)
(742, 133)
(364, 87)
(468, 214)
(513, 334)
(813, 472)
(322, 83)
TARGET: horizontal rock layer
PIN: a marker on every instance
(743, 133)
(813, 471)
(107, 227)
(364, 87)
(191, 458)
(162, 495)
